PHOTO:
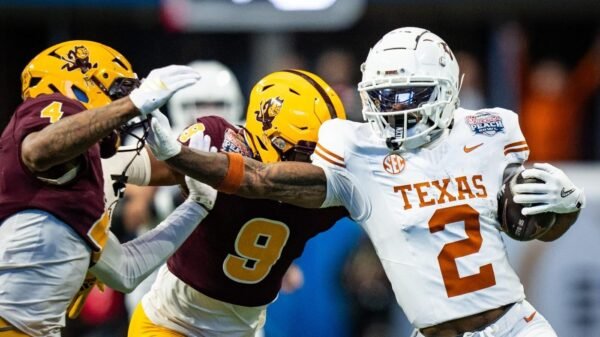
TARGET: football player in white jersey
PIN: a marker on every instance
(422, 178)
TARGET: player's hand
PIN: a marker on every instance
(201, 142)
(160, 85)
(199, 192)
(160, 138)
(557, 194)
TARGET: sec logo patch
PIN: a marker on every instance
(393, 163)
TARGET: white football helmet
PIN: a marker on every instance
(217, 93)
(409, 88)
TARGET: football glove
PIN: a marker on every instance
(160, 139)
(160, 85)
(557, 194)
(200, 192)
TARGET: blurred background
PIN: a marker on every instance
(538, 58)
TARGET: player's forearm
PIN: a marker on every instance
(70, 137)
(299, 184)
(124, 267)
(295, 183)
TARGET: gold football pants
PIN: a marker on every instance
(7, 330)
(142, 326)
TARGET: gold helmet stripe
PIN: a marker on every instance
(319, 88)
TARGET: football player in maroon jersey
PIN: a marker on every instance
(53, 223)
(222, 278)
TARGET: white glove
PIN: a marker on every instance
(160, 138)
(199, 192)
(201, 142)
(557, 194)
(160, 85)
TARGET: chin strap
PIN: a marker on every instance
(414, 143)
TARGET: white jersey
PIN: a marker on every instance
(431, 213)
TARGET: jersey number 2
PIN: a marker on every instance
(456, 285)
(258, 246)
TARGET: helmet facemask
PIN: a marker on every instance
(409, 87)
(408, 115)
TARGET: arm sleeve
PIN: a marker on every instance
(138, 172)
(124, 266)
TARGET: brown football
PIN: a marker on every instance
(517, 225)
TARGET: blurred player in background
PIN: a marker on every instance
(54, 223)
(422, 178)
(218, 94)
(221, 280)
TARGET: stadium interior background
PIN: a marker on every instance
(539, 58)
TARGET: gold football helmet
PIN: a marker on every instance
(87, 71)
(285, 112)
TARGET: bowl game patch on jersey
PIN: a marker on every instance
(485, 123)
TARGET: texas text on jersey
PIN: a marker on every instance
(440, 243)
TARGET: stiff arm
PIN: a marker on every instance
(296, 183)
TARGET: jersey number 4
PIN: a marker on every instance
(456, 285)
(258, 246)
(53, 111)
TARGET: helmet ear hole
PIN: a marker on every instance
(80, 94)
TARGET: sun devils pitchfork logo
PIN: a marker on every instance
(268, 110)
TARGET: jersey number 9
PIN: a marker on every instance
(258, 246)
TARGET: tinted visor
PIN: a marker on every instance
(122, 87)
(398, 99)
(119, 88)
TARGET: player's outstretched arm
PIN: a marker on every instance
(124, 266)
(70, 137)
(300, 184)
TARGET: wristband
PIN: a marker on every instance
(235, 174)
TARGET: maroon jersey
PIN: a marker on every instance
(80, 202)
(242, 249)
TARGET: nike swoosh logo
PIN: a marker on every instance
(528, 319)
(469, 149)
(565, 194)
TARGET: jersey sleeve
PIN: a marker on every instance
(342, 187)
(39, 112)
(214, 126)
(515, 148)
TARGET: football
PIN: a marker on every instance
(515, 224)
